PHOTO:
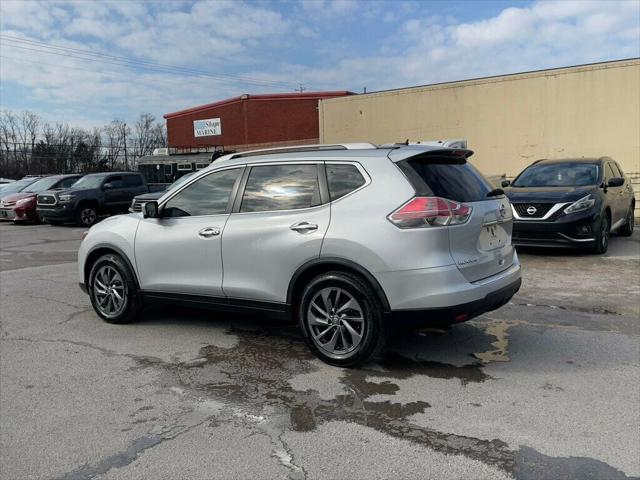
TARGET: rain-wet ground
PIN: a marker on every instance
(546, 387)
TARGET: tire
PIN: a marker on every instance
(603, 230)
(326, 304)
(86, 215)
(113, 290)
(627, 229)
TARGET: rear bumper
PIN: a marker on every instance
(430, 317)
(575, 230)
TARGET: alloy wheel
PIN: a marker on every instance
(336, 321)
(604, 234)
(88, 216)
(110, 291)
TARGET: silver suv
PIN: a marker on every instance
(347, 240)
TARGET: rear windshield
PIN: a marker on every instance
(558, 175)
(446, 177)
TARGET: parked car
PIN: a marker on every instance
(90, 197)
(17, 186)
(21, 206)
(347, 240)
(571, 203)
(139, 200)
(4, 181)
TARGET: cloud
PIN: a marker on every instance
(321, 44)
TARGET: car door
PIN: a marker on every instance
(180, 252)
(626, 191)
(133, 186)
(113, 188)
(278, 224)
(613, 194)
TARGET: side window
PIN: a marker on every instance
(608, 172)
(67, 182)
(132, 181)
(617, 170)
(207, 196)
(116, 181)
(281, 187)
(343, 179)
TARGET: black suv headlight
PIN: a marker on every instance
(65, 197)
(585, 203)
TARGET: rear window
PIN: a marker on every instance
(451, 178)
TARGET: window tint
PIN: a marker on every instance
(207, 196)
(609, 174)
(617, 170)
(132, 180)
(558, 175)
(116, 182)
(67, 182)
(343, 179)
(281, 187)
(446, 177)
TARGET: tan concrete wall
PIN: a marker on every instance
(508, 121)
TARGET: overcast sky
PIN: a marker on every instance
(166, 56)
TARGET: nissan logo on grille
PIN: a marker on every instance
(532, 210)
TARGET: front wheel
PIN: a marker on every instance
(627, 229)
(113, 290)
(86, 215)
(341, 319)
(602, 235)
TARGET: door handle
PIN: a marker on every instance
(303, 227)
(209, 232)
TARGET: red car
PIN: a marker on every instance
(18, 204)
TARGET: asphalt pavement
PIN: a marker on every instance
(545, 388)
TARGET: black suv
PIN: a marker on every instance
(93, 195)
(571, 203)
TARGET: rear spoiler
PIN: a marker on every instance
(417, 152)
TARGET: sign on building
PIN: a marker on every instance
(207, 127)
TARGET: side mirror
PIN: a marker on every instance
(615, 182)
(505, 183)
(107, 186)
(150, 209)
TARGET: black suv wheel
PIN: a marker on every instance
(113, 290)
(341, 319)
(603, 229)
(86, 215)
(627, 229)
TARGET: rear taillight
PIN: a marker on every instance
(430, 211)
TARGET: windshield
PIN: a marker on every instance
(558, 175)
(180, 181)
(89, 181)
(18, 186)
(42, 185)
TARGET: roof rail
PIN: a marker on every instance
(305, 148)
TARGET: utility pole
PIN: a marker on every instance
(301, 88)
(124, 136)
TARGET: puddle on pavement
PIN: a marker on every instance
(255, 376)
(500, 347)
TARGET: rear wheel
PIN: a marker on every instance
(341, 319)
(113, 290)
(602, 235)
(627, 229)
(86, 215)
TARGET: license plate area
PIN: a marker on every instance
(492, 237)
